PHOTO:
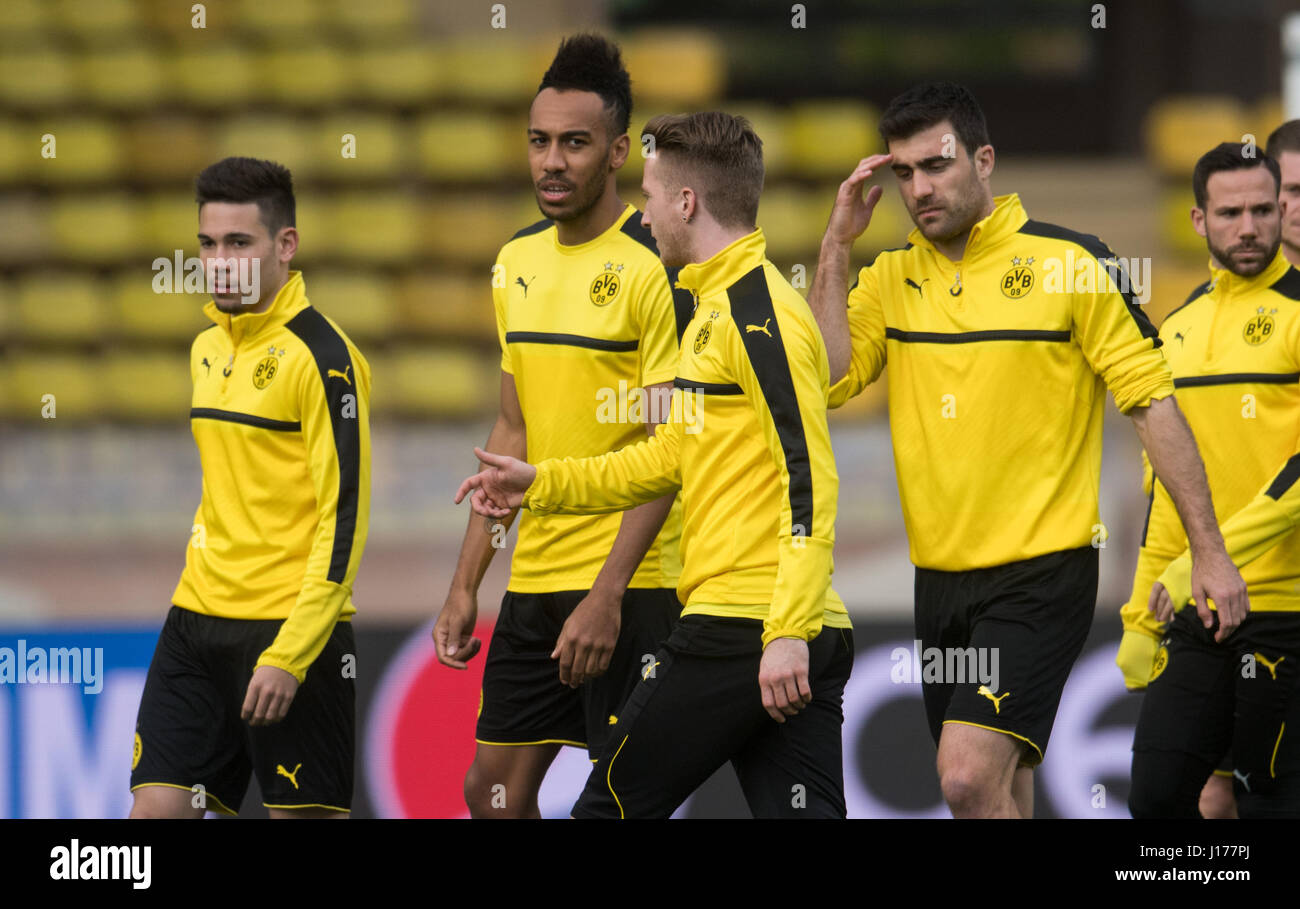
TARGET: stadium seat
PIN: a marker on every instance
(437, 382)
(688, 66)
(99, 228)
(20, 150)
(75, 380)
(61, 306)
(466, 229)
(146, 386)
(828, 137)
(793, 221)
(86, 149)
(140, 314)
(169, 221)
(363, 303)
(770, 124)
(380, 146)
(25, 19)
(381, 227)
(448, 305)
(170, 150)
(374, 17)
(126, 77)
(1181, 128)
(25, 230)
(270, 19)
(98, 21)
(1176, 222)
(469, 146)
(504, 70)
(282, 138)
(39, 77)
(219, 76)
(402, 74)
(307, 75)
(8, 308)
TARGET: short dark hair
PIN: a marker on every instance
(592, 63)
(1283, 139)
(1230, 156)
(240, 180)
(924, 105)
(720, 150)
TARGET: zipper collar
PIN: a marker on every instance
(725, 267)
(241, 327)
(1007, 217)
(1229, 284)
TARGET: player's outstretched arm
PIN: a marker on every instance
(1177, 463)
(453, 630)
(850, 216)
(1260, 525)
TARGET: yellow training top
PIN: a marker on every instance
(583, 329)
(281, 417)
(1234, 347)
(748, 445)
(999, 364)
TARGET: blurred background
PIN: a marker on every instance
(109, 108)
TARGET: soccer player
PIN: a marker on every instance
(1284, 148)
(1002, 334)
(586, 317)
(1234, 348)
(754, 671)
(255, 667)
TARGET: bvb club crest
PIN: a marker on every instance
(266, 370)
(606, 284)
(702, 336)
(1260, 328)
(1162, 660)
(1019, 280)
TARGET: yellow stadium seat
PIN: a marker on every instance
(448, 304)
(283, 139)
(25, 229)
(168, 149)
(98, 20)
(37, 78)
(438, 382)
(378, 146)
(770, 125)
(316, 237)
(1182, 128)
(688, 67)
(221, 76)
(470, 229)
(62, 306)
(75, 381)
(25, 18)
(146, 386)
(1176, 221)
(170, 221)
(401, 74)
(382, 227)
(827, 138)
(280, 16)
(464, 146)
(793, 223)
(128, 77)
(104, 227)
(308, 75)
(141, 314)
(84, 149)
(373, 16)
(8, 308)
(363, 303)
(495, 69)
(20, 150)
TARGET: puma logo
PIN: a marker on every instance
(291, 777)
(917, 287)
(1242, 776)
(333, 373)
(524, 284)
(1271, 667)
(613, 720)
(1181, 338)
(208, 365)
(762, 328)
(997, 699)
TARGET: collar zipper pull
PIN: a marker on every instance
(955, 290)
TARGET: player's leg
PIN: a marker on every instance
(1022, 790)
(795, 769)
(695, 707)
(1185, 724)
(305, 762)
(525, 714)
(189, 749)
(1266, 737)
(1029, 621)
(648, 618)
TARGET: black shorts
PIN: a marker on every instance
(700, 706)
(523, 701)
(1242, 697)
(188, 731)
(1006, 638)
